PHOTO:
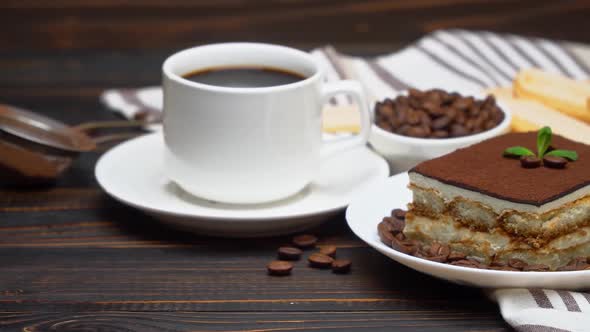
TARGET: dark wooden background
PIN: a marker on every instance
(72, 259)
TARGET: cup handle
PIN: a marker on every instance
(355, 90)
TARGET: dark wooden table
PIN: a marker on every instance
(72, 259)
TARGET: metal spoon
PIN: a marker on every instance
(35, 149)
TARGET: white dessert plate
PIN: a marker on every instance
(368, 209)
(132, 173)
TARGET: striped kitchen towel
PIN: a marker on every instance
(454, 60)
(543, 310)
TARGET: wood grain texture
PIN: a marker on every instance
(68, 24)
(72, 259)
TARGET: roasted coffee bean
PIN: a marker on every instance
(328, 251)
(385, 125)
(406, 246)
(341, 266)
(536, 268)
(456, 256)
(440, 134)
(440, 250)
(289, 253)
(579, 263)
(305, 241)
(497, 264)
(413, 118)
(415, 93)
(516, 263)
(438, 259)
(465, 263)
(436, 114)
(463, 103)
(320, 261)
(458, 130)
(530, 162)
(503, 268)
(440, 123)
(397, 225)
(416, 132)
(554, 162)
(385, 234)
(279, 268)
(399, 214)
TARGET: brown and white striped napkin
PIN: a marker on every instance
(544, 310)
(456, 60)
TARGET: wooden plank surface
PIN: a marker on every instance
(107, 24)
(72, 259)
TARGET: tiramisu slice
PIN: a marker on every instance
(494, 208)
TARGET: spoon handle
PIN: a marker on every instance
(89, 126)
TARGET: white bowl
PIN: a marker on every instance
(404, 152)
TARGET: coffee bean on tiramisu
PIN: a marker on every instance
(554, 162)
(305, 241)
(536, 268)
(279, 268)
(516, 263)
(328, 251)
(530, 162)
(341, 266)
(397, 225)
(399, 214)
(320, 261)
(289, 253)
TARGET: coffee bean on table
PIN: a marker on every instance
(554, 162)
(320, 260)
(279, 268)
(341, 266)
(289, 253)
(328, 251)
(305, 241)
(530, 162)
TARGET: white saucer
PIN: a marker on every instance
(368, 209)
(132, 173)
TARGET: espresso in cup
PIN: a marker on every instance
(244, 77)
(242, 121)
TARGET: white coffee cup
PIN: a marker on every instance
(253, 144)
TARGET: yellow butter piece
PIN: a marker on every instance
(339, 119)
(530, 115)
(566, 95)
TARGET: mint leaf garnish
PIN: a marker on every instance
(568, 154)
(518, 151)
(543, 141)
